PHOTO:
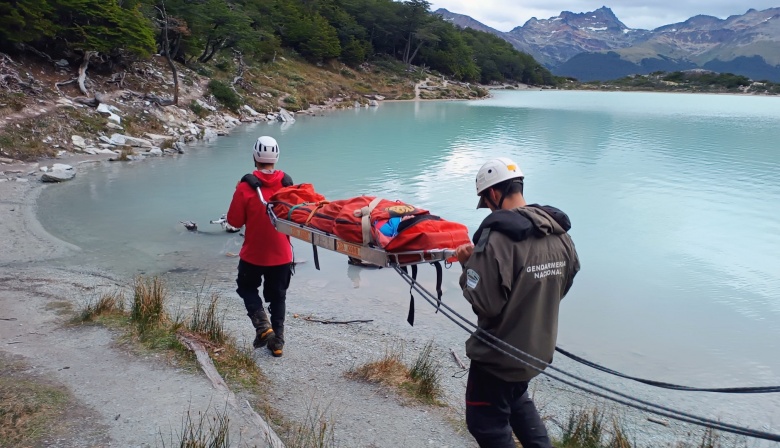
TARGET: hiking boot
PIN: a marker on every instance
(263, 330)
(276, 345)
(262, 336)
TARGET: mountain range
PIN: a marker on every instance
(596, 45)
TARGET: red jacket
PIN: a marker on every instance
(263, 245)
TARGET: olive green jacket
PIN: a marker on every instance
(524, 263)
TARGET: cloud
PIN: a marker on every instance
(507, 14)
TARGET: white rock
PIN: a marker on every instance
(155, 152)
(115, 118)
(78, 141)
(44, 169)
(157, 139)
(114, 126)
(90, 150)
(23, 180)
(209, 134)
(61, 167)
(137, 142)
(105, 139)
(285, 116)
(251, 111)
(58, 176)
(118, 139)
(61, 153)
(205, 105)
(106, 151)
(373, 103)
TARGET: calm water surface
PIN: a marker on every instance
(674, 200)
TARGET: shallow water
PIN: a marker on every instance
(673, 199)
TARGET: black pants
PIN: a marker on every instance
(277, 280)
(495, 408)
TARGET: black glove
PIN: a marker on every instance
(252, 181)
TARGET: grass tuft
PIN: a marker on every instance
(148, 309)
(316, 431)
(105, 305)
(422, 381)
(206, 322)
(203, 432)
(426, 372)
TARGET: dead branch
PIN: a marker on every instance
(167, 52)
(83, 71)
(118, 79)
(159, 100)
(342, 322)
(457, 359)
(87, 101)
(218, 383)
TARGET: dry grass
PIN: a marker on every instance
(204, 432)
(588, 428)
(316, 430)
(105, 305)
(421, 381)
(206, 321)
(26, 406)
(148, 307)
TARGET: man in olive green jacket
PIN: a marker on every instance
(521, 265)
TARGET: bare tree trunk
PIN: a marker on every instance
(83, 71)
(167, 51)
(415, 52)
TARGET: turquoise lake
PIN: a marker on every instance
(674, 201)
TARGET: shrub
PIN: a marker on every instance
(225, 95)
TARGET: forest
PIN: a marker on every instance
(106, 33)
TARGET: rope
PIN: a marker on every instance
(642, 404)
(722, 390)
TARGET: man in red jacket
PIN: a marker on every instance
(266, 253)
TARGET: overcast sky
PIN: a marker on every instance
(648, 14)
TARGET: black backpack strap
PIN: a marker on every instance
(437, 265)
(316, 256)
(410, 317)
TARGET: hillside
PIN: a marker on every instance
(212, 64)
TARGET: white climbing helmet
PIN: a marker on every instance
(266, 150)
(494, 172)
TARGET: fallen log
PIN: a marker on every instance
(219, 384)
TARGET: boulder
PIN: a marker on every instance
(251, 111)
(158, 139)
(6, 160)
(285, 116)
(120, 139)
(105, 140)
(114, 126)
(205, 105)
(91, 150)
(58, 176)
(155, 152)
(373, 103)
(78, 141)
(62, 63)
(105, 151)
(44, 169)
(107, 111)
(61, 167)
(209, 134)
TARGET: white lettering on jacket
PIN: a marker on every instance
(547, 269)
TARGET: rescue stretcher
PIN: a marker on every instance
(367, 254)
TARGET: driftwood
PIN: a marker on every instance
(457, 359)
(341, 322)
(219, 384)
(658, 421)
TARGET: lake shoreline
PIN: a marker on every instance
(29, 247)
